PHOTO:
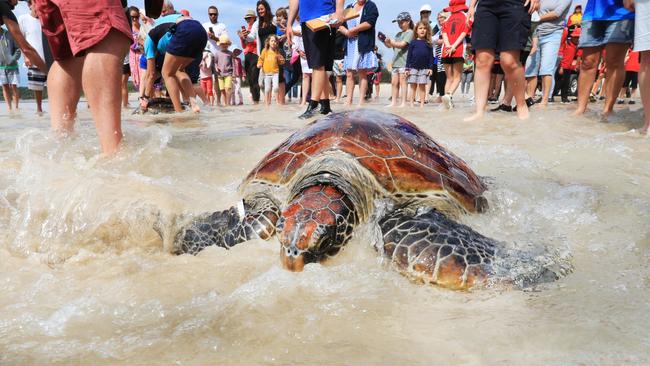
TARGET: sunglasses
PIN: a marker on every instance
(213, 14)
(135, 16)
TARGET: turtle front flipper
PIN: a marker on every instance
(228, 228)
(431, 248)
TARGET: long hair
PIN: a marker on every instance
(268, 15)
(427, 35)
(267, 43)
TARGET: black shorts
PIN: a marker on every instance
(631, 80)
(189, 39)
(126, 69)
(523, 57)
(452, 60)
(497, 69)
(500, 25)
(319, 47)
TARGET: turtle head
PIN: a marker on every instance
(314, 226)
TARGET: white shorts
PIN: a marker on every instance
(642, 26)
(36, 79)
(9, 76)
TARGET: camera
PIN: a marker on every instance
(381, 36)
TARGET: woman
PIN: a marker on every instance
(250, 55)
(360, 56)
(261, 30)
(136, 48)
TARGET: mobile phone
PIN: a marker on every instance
(381, 36)
(243, 28)
(210, 29)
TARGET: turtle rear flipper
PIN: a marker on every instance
(429, 247)
(229, 227)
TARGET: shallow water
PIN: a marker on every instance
(85, 279)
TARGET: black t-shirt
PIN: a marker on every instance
(264, 33)
(6, 11)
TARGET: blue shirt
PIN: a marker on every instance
(149, 47)
(312, 9)
(606, 10)
(420, 55)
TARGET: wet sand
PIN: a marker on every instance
(84, 279)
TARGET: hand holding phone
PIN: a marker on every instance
(381, 36)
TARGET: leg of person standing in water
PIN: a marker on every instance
(515, 80)
(614, 75)
(588, 71)
(642, 45)
(644, 88)
(482, 74)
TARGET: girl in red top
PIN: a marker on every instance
(632, 67)
(570, 59)
(454, 31)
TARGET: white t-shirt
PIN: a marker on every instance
(30, 27)
(219, 29)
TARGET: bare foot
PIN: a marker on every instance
(390, 105)
(402, 105)
(522, 112)
(474, 117)
(578, 113)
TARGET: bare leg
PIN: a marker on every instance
(644, 87)
(423, 94)
(101, 83)
(64, 86)
(125, 90)
(402, 88)
(547, 80)
(306, 85)
(217, 91)
(16, 96)
(484, 62)
(532, 86)
(456, 70)
(349, 86)
(339, 88)
(281, 91)
(175, 79)
(394, 89)
(588, 70)
(615, 74)
(363, 86)
(6, 94)
(229, 96)
(515, 80)
(38, 94)
(412, 96)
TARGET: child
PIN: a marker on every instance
(400, 44)
(270, 61)
(468, 73)
(238, 75)
(419, 61)
(454, 31)
(206, 75)
(224, 66)
(568, 65)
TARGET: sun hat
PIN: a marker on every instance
(250, 13)
(425, 7)
(402, 16)
(224, 39)
(456, 6)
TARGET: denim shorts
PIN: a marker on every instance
(596, 33)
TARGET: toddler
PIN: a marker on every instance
(270, 61)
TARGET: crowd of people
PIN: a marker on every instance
(509, 49)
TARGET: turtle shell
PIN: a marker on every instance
(403, 159)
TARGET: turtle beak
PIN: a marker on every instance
(292, 259)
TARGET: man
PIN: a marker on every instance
(214, 30)
(171, 46)
(605, 25)
(9, 19)
(88, 58)
(30, 27)
(9, 55)
(319, 46)
(250, 56)
(549, 34)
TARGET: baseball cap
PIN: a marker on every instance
(402, 16)
(425, 7)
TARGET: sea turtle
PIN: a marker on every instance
(353, 168)
(156, 106)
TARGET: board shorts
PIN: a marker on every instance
(74, 26)
(9, 77)
(36, 79)
(319, 47)
(225, 82)
(419, 77)
(189, 39)
(206, 85)
(500, 25)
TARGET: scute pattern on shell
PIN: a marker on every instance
(402, 158)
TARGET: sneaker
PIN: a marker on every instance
(631, 102)
(529, 103)
(620, 101)
(502, 107)
(325, 107)
(565, 101)
(311, 110)
(447, 102)
(592, 98)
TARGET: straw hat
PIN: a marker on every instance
(224, 39)
(250, 13)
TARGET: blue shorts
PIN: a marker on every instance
(189, 39)
(596, 33)
(143, 62)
